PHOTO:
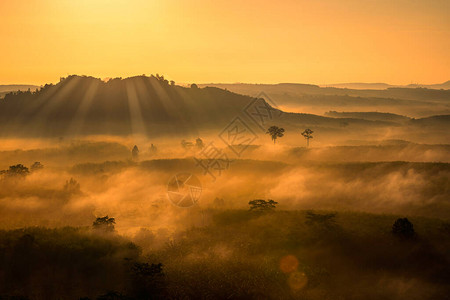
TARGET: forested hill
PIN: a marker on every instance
(88, 105)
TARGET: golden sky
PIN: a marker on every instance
(307, 41)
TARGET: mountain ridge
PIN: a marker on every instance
(381, 85)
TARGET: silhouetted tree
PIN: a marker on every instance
(153, 149)
(275, 132)
(161, 79)
(135, 153)
(402, 227)
(194, 86)
(262, 205)
(17, 171)
(186, 145)
(36, 166)
(307, 134)
(104, 223)
(72, 186)
(199, 143)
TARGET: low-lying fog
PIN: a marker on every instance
(108, 181)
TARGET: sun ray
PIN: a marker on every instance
(77, 122)
(52, 102)
(136, 119)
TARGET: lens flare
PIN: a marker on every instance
(297, 281)
(288, 264)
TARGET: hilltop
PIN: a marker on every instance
(88, 105)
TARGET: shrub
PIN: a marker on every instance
(262, 205)
(403, 228)
(104, 223)
(17, 171)
(36, 166)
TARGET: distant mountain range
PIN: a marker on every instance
(17, 87)
(415, 102)
(373, 116)
(298, 89)
(382, 86)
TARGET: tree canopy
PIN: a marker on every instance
(307, 134)
(104, 223)
(261, 205)
(275, 132)
(18, 170)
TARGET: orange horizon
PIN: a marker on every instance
(236, 82)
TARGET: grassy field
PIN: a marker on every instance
(236, 254)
